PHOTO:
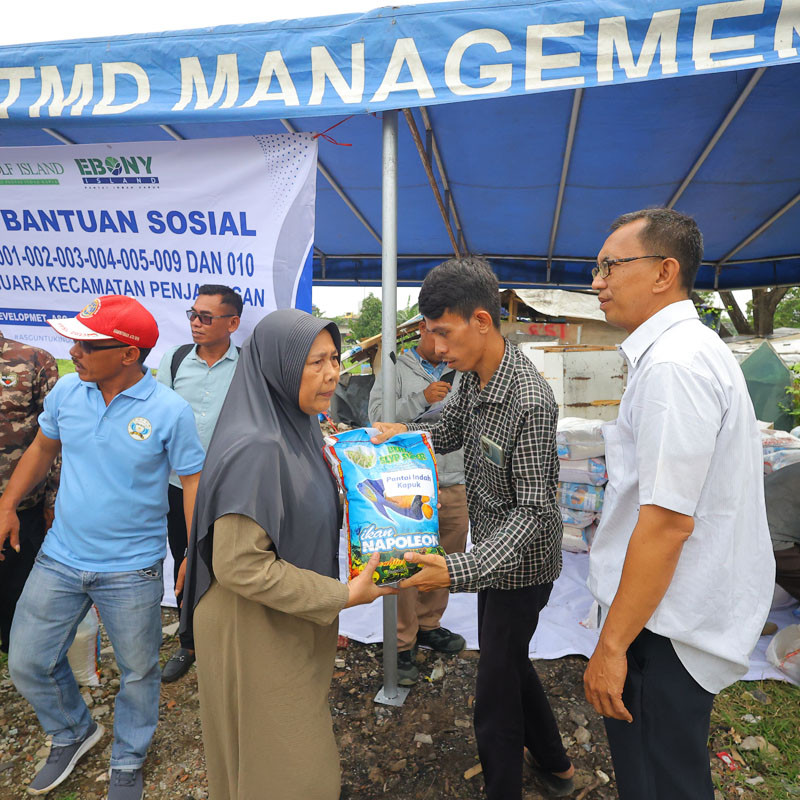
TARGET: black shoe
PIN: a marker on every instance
(407, 670)
(553, 785)
(177, 666)
(441, 640)
(62, 760)
(126, 784)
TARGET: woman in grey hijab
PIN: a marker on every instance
(262, 591)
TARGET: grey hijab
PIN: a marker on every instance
(265, 458)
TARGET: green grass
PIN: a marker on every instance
(65, 366)
(778, 724)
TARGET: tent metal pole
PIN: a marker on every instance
(390, 693)
(437, 156)
(323, 170)
(423, 157)
(756, 233)
(577, 97)
(712, 142)
(169, 130)
(58, 136)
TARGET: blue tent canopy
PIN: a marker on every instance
(538, 122)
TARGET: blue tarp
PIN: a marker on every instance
(499, 79)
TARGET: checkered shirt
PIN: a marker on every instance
(516, 526)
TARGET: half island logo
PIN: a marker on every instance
(117, 171)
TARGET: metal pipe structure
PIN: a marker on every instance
(170, 131)
(449, 202)
(390, 693)
(58, 136)
(577, 98)
(712, 142)
(423, 157)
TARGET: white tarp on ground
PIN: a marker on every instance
(560, 632)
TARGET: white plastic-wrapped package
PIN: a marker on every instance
(587, 470)
(573, 541)
(577, 519)
(578, 438)
(84, 653)
(580, 496)
(772, 441)
(777, 459)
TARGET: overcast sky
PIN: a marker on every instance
(56, 20)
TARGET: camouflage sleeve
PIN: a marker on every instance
(46, 377)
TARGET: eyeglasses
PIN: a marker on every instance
(88, 347)
(603, 269)
(204, 317)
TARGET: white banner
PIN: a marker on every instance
(153, 220)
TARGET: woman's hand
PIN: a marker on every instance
(362, 589)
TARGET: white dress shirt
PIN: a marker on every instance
(686, 440)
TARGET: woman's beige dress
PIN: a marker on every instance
(265, 633)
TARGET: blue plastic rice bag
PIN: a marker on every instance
(589, 470)
(580, 496)
(391, 499)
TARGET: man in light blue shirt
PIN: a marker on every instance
(119, 433)
(201, 374)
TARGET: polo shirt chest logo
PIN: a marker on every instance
(9, 380)
(140, 428)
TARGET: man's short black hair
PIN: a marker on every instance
(230, 297)
(143, 353)
(461, 286)
(671, 234)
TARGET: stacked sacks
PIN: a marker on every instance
(780, 449)
(581, 452)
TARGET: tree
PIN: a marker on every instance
(762, 308)
(787, 314)
(369, 320)
(317, 312)
(405, 314)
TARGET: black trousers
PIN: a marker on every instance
(16, 567)
(511, 708)
(178, 541)
(663, 753)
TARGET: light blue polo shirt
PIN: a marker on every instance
(203, 387)
(111, 507)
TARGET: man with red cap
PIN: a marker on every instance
(119, 433)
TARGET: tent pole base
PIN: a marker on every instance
(400, 694)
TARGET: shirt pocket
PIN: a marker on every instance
(615, 454)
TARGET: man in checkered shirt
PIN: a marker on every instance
(504, 416)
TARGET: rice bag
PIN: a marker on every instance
(588, 470)
(391, 499)
(579, 438)
(580, 496)
(577, 519)
(573, 541)
(84, 652)
(778, 459)
(773, 441)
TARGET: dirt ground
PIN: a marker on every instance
(423, 750)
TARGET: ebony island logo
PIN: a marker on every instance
(127, 171)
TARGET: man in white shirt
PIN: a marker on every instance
(682, 565)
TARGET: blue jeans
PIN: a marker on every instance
(55, 599)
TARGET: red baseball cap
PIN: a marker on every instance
(111, 316)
